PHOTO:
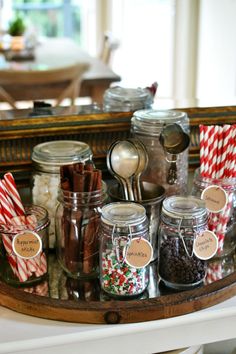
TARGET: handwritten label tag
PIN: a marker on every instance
(215, 198)
(205, 245)
(27, 244)
(139, 253)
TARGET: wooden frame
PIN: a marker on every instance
(19, 134)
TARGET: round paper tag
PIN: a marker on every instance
(215, 198)
(205, 245)
(139, 253)
(27, 244)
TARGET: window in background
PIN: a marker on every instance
(66, 18)
(145, 29)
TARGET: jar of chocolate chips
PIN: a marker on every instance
(183, 220)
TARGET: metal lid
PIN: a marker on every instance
(61, 152)
(123, 214)
(150, 120)
(181, 207)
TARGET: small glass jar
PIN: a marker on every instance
(147, 126)
(182, 219)
(120, 99)
(24, 249)
(121, 223)
(77, 221)
(222, 223)
(47, 159)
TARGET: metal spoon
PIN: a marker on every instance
(124, 161)
(174, 141)
(143, 161)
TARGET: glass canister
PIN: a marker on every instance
(120, 99)
(77, 223)
(24, 248)
(47, 159)
(220, 198)
(183, 220)
(147, 126)
(125, 251)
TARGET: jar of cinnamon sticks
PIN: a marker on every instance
(77, 219)
(47, 159)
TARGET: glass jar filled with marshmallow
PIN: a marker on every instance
(47, 159)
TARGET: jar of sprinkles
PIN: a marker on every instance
(125, 251)
(183, 220)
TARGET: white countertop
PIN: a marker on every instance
(25, 334)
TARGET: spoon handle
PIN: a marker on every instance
(124, 187)
(130, 189)
(137, 188)
(172, 173)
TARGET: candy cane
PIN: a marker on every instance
(13, 192)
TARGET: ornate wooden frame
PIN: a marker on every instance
(18, 135)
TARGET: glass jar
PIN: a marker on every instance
(222, 223)
(24, 248)
(182, 220)
(120, 99)
(147, 126)
(77, 221)
(123, 223)
(47, 159)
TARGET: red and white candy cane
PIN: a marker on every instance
(13, 192)
(7, 208)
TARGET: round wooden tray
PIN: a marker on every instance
(70, 300)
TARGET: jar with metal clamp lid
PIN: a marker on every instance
(183, 220)
(47, 159)
(120, 99)
(125, 251)
(147, 126)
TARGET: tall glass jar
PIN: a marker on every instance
(77, 222)
(147, 126)
(120, 99)
(24, 248)
(124, 225)
(222, 222)
(182, 220)
(47, 159)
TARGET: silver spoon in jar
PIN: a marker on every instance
(143, 161)
(174, 141)
(124, 161)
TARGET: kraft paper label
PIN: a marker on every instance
(27, 244)
(139, 253)
(215, 198)
(205, 245)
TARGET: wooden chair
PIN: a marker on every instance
(68, 78)
(109, 45)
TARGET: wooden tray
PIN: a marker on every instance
(83, 302)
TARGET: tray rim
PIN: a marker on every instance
(118, 311)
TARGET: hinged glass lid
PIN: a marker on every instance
(123, 214)
(127, 94)
(61, 152)
(184, 207)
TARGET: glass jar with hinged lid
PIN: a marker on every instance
(147, 125)
(182, 233)
(120, 99)
(125, 251)
(47, 159)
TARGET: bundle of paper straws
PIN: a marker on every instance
(13, 219)
(218, 162)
